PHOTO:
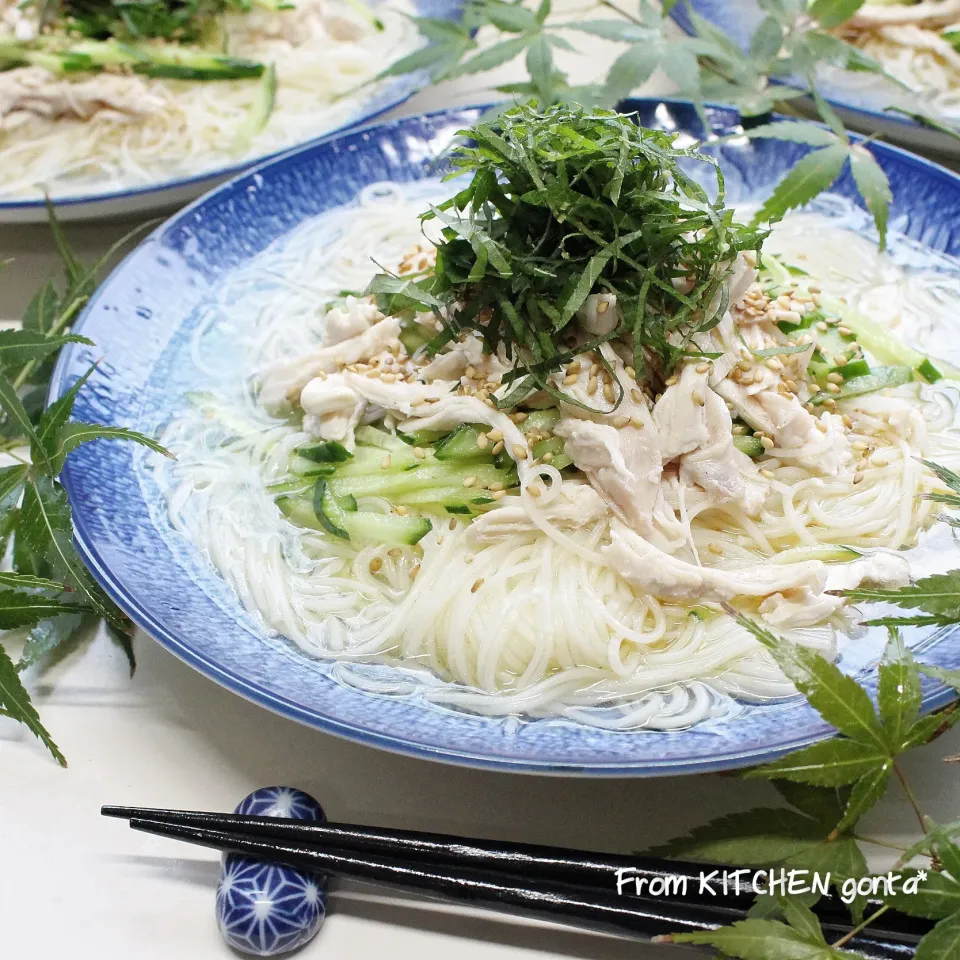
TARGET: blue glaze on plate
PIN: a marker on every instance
(262, 908)
(140, 313)
(863, 104)
(384, 97)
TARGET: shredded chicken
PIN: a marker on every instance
(576, 505)
(33, 90)
(667, 577)
(802, 607)
(331, 409)
(355, 317)
(615, 446)
(281, 383)
(467, 353)
(930, 13)
(452, 411)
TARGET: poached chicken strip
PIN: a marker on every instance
(282, 382)
(615, 446)
(658, 573)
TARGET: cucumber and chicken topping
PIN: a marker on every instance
(457, 474)
(841, 336)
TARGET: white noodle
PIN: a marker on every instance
(537, 622)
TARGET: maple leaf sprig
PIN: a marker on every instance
(48, 588)
(829, 787)
(789, 45)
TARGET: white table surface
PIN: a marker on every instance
(75, 886)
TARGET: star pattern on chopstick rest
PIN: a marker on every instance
(266, 909)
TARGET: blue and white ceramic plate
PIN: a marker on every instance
(167, 195)
(859, 98)
(144, 315)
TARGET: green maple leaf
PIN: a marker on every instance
(863, 759)
(831, 13)
(809, 176)
(938, 596)
(15, 703)
(800, 938)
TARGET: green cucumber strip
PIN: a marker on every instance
(928, 371)
(783, 350)
(554, 445)
(329, 451)
(303, 467)
(392, 485)
(880, 378)
(773, 272)
(413, 337)
(462, 444)
(260, 110)
(299, 485)
(853, 369)
(882, 344)
(369, 460)
(540, 421)
(375, 437)
(330, 514)
(467, 496)
(322, 511)
(806, 321)
(751, 446)
(387, 528)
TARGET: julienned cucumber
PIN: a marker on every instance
(884, 346)
(327, 451)
(751, 446)
(880, 378)
(394, 484)
(462, 444)
(323, 511)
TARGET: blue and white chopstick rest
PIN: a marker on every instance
(264, 909)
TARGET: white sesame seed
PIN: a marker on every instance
(469, 481)
(519, 451)
(832, 388)
(620, 422)
(497, 448)
(499, 494)
(477, 584)
(419, 452)
(375, 564)
(385, 462)
(767, 474)
(697, 398)
(703, 368)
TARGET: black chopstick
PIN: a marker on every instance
(530, 861)
(582, 907)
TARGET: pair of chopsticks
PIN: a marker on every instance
(568, 886)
